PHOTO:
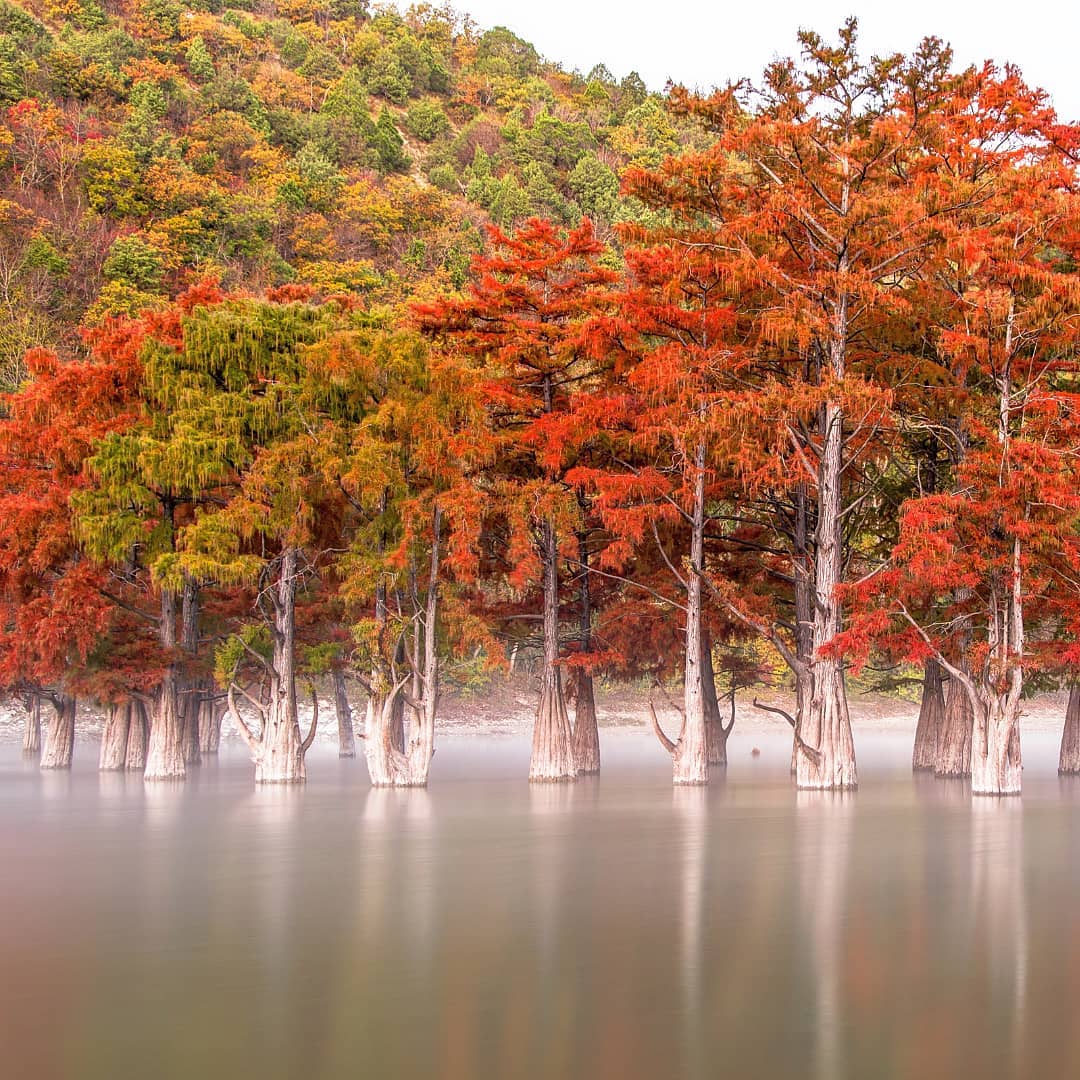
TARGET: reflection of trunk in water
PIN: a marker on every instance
(999, 912)
(824, 823)
(690, 805)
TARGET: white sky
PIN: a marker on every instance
(703, 45)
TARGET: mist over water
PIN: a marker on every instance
(488, 928)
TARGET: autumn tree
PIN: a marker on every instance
(523, 325)
(998, 551)
(56, 605)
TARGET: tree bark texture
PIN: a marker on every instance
(165, 749)
(138, 738)
(346, 736)
(59, 745)
(114, 737)
(1069, 758)
(552, 744)
(953, 756)
(586, 732)
(931, 717)
(209, 725)
(716, 733)
(996, 765)
(689, 751)
(277, 748)
(826, 749)
(32, 734)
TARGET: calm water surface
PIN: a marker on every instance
(486, 928)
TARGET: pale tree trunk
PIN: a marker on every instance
(346, 736)
(32, 734)
(138, 738)
(552, 743)
(388, 766)
(59, 746)
(165, 750)
(931, 717)
(114, 737)
(281, 754)
(1069, 758)
(826, 750)
(586, 732)
(804, 619)
(996, 764)
(689, 752)
(278, 749)
(953, 754)
(209, 725)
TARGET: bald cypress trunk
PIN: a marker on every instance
(165, 750)
(138, 738)
(931, 717)
(59, 746)
(586, 732)
(114, 737)
(278, 749)
(346, 736)
(209, 725)
(552, 743)
(1069, 758)
(716, 734)
(953, 757)
(826, 749)
(689, 751)
(191, 694)
(32, 734)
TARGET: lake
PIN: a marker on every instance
(486, 928)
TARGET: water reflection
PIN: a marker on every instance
(611, 928)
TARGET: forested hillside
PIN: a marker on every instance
(147, 145)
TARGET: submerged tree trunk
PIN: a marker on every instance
(191, 695)
(804, 618)
(996, 763)
(165, 750)
(346, 736)
(586, 732)
(1069, 758)
(716, 734)
(826, 750)
(552, 742)
(138, 738)
(192, 714)
(59, 746)
(114, 737)
(931, 717)
(278, 749)
(387, 765)
(689, 752)
(953, 755)
(209, 725)
(32, 734)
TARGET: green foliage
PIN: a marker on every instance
(113, 180)
(199, 61)
(427, 121)
(134, 262)
(595, 187)
(389, 145)
(500, 49)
